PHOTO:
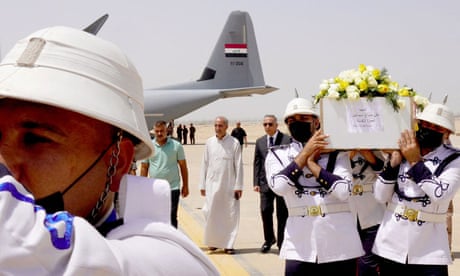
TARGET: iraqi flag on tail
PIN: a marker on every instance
(236, 50)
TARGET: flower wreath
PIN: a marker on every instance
(368, 82)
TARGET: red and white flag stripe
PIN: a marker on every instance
(236, 50)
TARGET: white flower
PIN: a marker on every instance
(394, 86)
(334, 87)
(358, 79)
(324, 85)
(353, 95)
(347, 76)
(367, 74)
(372, 82)
(332, 94)
(352, 89)
(352, 92)
(421, 101)
(356, 75)
(386, 79)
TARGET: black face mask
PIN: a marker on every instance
(301, 131)
(52, 203)
(428, 138)
(55, 202)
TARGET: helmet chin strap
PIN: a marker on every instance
(111, 171)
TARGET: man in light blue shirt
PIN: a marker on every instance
(169, 153)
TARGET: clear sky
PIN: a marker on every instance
(301, 42)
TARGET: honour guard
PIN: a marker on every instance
(417, 183)
(320, 235)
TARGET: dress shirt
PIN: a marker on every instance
(274, 139)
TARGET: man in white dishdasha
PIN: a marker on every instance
(221, 182)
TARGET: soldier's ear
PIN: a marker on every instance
(317, 124)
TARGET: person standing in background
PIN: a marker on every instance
(240, 134)
(192, 134)
(273, 137)
(184, 134)
(221, 183)
(167, 156)
(170, 128)
(179, 133)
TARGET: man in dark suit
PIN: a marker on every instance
(273, 137)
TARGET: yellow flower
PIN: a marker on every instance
(363, 85)
(376, 73)
(322, 93)
(362, 68)
(383, 88)
(343, 85)
(404, 92)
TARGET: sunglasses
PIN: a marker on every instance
(268, 124)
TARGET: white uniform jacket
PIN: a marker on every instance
(322, 234)
(35, 243)
(363, 204)
(414, 224)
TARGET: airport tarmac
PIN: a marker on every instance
(248, 259)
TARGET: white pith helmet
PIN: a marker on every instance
(77, 71)
(438, 114)
(299, 106)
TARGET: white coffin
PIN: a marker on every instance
(365, 124)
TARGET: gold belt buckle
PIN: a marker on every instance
(411, 214)
(314, 211)
(357, 189)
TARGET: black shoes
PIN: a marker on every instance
(267, 246)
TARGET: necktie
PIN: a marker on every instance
(270, 141)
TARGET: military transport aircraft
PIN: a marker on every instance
(234, 70)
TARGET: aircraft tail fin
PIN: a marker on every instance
(245, 91)
(235, 61)
(233, 70)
